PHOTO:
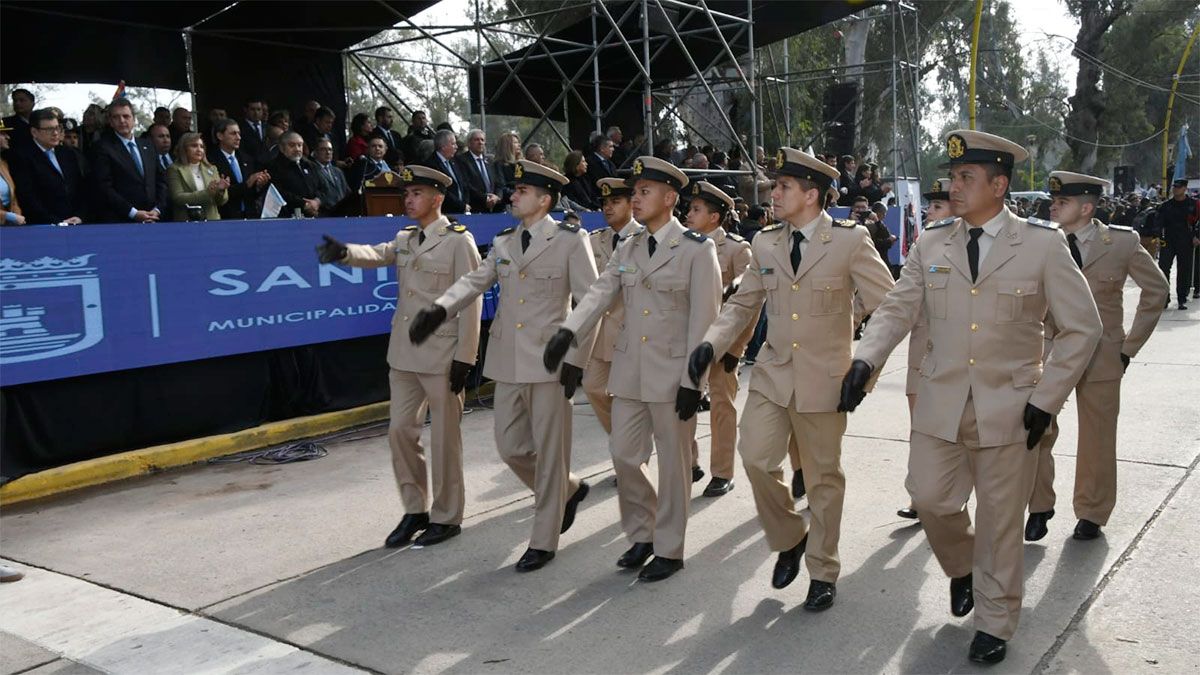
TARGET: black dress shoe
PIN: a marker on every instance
(718, 486)
(987, 648)
(636, 556)
(907, 512)
(1035, 527)
(962, 596)
(436, 533)
(1086, 530)
(660, 568)
(788, 565)
(798, 489)
(410, 524)
(820, 596)
(1181, 305)
(697, 474)
(581, 493)
(534, 559)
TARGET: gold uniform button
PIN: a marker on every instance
(974, 291)
(971, 362)
(929, 285)
(826, 288)
(404, 318)
(795, 287)
(644, 338)
(607, 312)
(645, 312)
(1018, 291)
(522, 275)
(520, 325)
(520, 301)
(417, 268)
(795, 317)
(974, 326)
(795, 345)
(410, 294)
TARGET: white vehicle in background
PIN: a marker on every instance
(1030, 195)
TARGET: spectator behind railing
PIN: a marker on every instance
(384, 117)
(197, 189)
(126, 180)
(580, 193)
(361, 129)
(535, 153)
(49, 175)
(10, 208)
(508, 151)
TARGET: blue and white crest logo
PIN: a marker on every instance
(48, 308)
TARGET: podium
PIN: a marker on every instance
(382, 195)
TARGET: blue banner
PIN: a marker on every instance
(98, 298)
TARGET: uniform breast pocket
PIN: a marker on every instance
(435, 277)
(770, 284)
(829, 296)
(935, 295)
(549, 282)
(1018, 301)
(669, 293)
(628, 284)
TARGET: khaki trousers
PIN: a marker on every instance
(1098, 404)
(595, 387)
(533, 436)
(765, 430)
(943, 475)
(647, 516)
(411, 394)
(722, 391)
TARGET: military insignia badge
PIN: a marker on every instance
(518, 171)
(407, 175)
(605, 190)
(955, 146)
(695, 188)
(1055, 184)
(638, 168)
(780, 158)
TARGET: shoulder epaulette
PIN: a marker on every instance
(507, 230)
(1047, 224)
(411, 228)
(597, 233)
(771, 228)
(459, 228)
(1122, 228)
(633, 234)
(564, 225)
(694, 235)
(842, 222)
(735, 237)
(940, 223)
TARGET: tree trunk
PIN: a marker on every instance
(1087, 105)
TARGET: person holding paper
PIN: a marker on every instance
(295, 177)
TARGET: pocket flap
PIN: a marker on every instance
(435, 269)
(669, 284)
(928, 365)
(1017, 287)
(548, 273)
(769, 280)
(678, 349)
(937, 281)
(828, 283)
(1027, 376)
(629, 279)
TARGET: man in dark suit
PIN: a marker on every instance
(246, 180)
(443, 159)
(368, 166)
(295, 177)
(600, 164)
(254, 130)
(125, 173)
(384, 118)
(486, 191)
(22, 102)
(49, 175)
(418, 130)
(323, 128)
(334, 187)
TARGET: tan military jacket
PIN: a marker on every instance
(423, 272)
(536, 288)
(1114, 254)
(733, 255)
(986, 336)
(610, 324)
(809, 312)
(669, 299)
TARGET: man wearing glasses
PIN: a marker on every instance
(49, 175)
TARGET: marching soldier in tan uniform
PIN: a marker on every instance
(428, 257)
(1107, 254)
(985, 280)
(618, 213)
(807, 269)
(709, 208)
(671, 286)
(540, 266)
(918, 343)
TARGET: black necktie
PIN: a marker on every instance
(525, 237)
(1071, 239)
(797, 237)
(653, 244)
(616, 240)
(421, 238)
(973, 251)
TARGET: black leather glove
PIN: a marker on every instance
(425, 322)
(729, 362)
(556, 349)
(854, 385)
(1036, 421)
(729, 292)
(331, 251)
(570, 377)
(1124, 363)
(458, 375)
(687, 402)
(698, 362)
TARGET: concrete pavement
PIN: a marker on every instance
(243, 568)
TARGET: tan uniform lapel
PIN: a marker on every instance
(665, 250)
(1100, 245)
(955, 249)
(541, 235)
(1003, 248)
(817, 247)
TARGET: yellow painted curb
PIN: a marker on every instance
(138, 462)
